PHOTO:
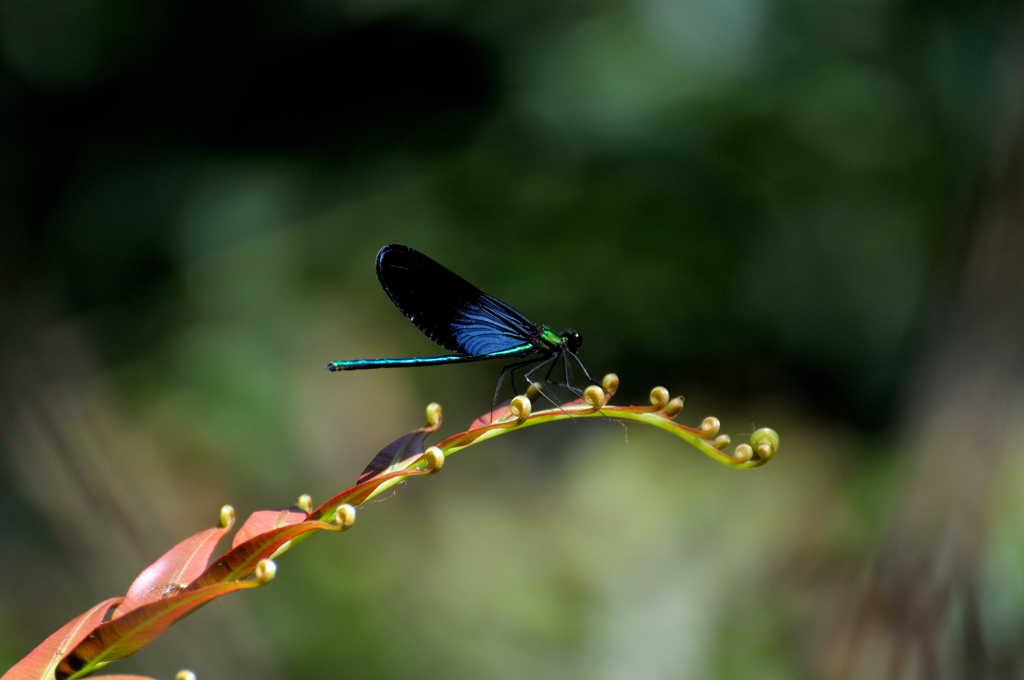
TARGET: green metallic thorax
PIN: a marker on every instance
(550, 339)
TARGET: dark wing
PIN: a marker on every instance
(448, 309)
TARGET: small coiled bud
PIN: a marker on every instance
(743, 453)
(344, 516)
(520, 408)
(434, 414)
(227, 516)
(305, 503)
(721, 441)
(435, 459)
(593, 396)
(709, 428)
(532, 392)
(185, 674)
(659, 398)
(673, 408)
(265, 572)
(610, 383)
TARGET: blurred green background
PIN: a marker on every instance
(779, 209)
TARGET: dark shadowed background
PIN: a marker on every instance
(798, 214)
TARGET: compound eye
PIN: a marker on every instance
(575, 340)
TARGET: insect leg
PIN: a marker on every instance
(511, 371)
(580, 363)
(547, 376)
(551, 360)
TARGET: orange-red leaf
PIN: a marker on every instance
(122, 637)
(266, 520)
(178, 567)
(240, 562)
(498, 415)
(41, 661)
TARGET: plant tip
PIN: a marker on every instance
(721, 441)
(185, 675)
(766, 442)
(305, 503)
(610, 383)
